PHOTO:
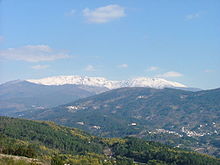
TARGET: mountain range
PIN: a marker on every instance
(49, 92)
(110, 84)
(152, 109)
(21, 95)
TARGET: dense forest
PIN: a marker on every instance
(49, 143)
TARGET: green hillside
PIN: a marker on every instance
(114, 110)
(52, 144)
(187, 119)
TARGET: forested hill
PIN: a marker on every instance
(171, 116)
(54, 144)
(149, 108)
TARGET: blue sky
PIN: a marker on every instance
(178, 40)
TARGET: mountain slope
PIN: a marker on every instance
(23, 95)
(144, 112)
(154, 108)
(61, 145)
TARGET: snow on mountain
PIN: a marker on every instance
(103, 82)
(77, 80)
(154, 83)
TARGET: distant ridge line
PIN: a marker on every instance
(110, 84)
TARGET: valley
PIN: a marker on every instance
(179, 118)
(109, 82)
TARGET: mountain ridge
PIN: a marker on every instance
(110, 84)
(19, 95)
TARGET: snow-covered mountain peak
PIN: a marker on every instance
(154, 83)
(76, 80)
(110, 84)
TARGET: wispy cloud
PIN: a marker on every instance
(104, 14)
(192, 16)
(152, 68)
(123, 66)
(72, 12)
(90, 68)
(33, 53)
(170, 74)
(39, 67)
